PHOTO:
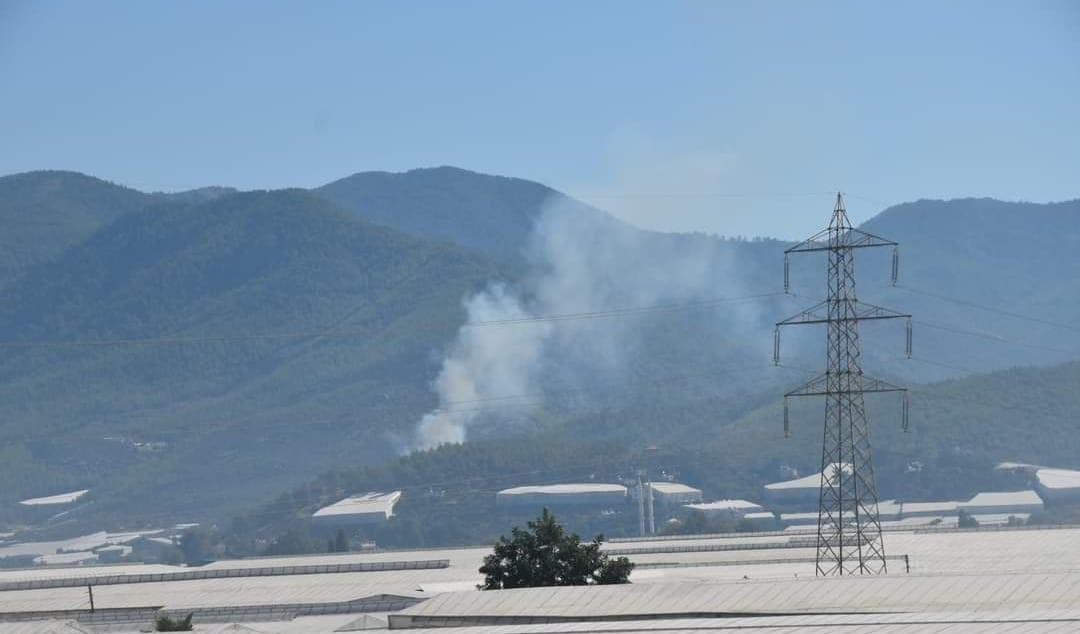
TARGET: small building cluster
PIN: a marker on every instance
(794, 502)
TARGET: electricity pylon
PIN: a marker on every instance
(849, 531)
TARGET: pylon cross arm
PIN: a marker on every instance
(819, 386)
(848, 238)
(819, 314)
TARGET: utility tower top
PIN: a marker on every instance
(849, 537)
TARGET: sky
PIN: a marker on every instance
(735, 118)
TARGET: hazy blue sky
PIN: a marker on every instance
(715, 116)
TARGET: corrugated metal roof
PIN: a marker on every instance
(557, 489)
(1058, 478)
(1004, 498)
(896, 593)
(366, 504)
(812, 481)
(60, 498)
(673, 488)
(727, 505)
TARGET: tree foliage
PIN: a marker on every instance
(544, 555)
(167, 624)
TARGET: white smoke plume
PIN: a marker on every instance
(581, 261)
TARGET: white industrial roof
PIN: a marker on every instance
(368, 503)
(1058, 478)
(556, 489)
(891, 593)
(812, 481)
(673, 488)
(726, 505)
(61, 559)
(1007, 561)
(60, 498)
(760, 515)
(1004, 498)
(942, 508)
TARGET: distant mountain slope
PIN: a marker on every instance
(255, 412)
(1013, 257)
(494, 214)
(45, 212)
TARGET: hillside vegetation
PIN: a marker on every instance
(226, 389)
(960, 430)
(190, 355)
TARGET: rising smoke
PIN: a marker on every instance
(580, 261)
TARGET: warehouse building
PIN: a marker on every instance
(1058, 485)
(56, 500)
(584, 494)
(674, 493)
(726, 509)
(800, 491)
(1003, 502)
(357, 510)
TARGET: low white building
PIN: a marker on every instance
(1058, 485)
(929, 509)
(369, 508)
(762, 521)
(577, 494)
(675, 493)
(55, 500)
(726, 509)
(1003, 502)
(801, 491)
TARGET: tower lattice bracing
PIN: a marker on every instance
(849, 532)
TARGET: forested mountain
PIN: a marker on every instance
(224, 296)
(190, 354)
(494, 214)
(45, 212)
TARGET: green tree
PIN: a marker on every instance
(544, 555)
(965, 520)
(166, 624)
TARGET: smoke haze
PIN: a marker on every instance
(578, 263)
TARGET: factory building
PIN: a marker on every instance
(56, 500)
(1000, 503)
(584, 494)
(674, 493)
(727, 509)
(1058, 485)
(930, 509)
(800, 491)
(357, 510)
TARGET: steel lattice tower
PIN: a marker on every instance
(849, 533)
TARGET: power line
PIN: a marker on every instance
(990, 309)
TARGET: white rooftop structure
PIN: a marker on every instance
(989, 580)
(60, 498)
(576, 493)
(726, 508)
(358, 509)
(1003, 502)
(1058, 485)
(929, 509)
(675, 493)
(66, 559)
(801, 490)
